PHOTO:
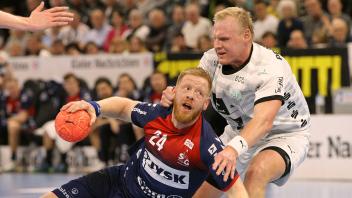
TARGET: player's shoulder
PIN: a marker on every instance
(264, 57)
(150, 109)
(210, 54)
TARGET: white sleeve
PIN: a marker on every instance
(272, 82)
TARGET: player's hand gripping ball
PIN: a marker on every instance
(72, 127)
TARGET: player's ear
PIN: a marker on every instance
(206, 103)
(247, 34)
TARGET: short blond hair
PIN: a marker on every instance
(242, 16)
(200, 72)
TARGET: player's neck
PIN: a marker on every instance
(244, 58)
(181, 125)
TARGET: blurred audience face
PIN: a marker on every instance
(313, 8)
(204, 43)
(260, 10)
(97, 18)
(15, 49)
(135, 19)
(104, 90)
(136, 45)
(76, 20)
(287, 9)
(73, 50)
(178, 43)
(55, 3)
(334, 7)
(57, 48)
(157, 18)
(32, 4)
(34, 44)
(158, 82)
(193, 13)
(269, 40)
(178, 14)
(126, 85)
(297, 40)
(91, 48)
(13, 88)
(117, 45)
(339, 30)
(71, 86)
(219, 7)
(116, 19)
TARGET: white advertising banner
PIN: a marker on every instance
(88, 67)
(330, 154)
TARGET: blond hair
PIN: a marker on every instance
(200, 72)
(242, 16)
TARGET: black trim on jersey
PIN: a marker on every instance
(268, 98)
(228, 69)
(284, 156)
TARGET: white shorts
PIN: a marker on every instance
(295, 144)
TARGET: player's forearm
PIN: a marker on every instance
(117, 107)
(257, 128)
(15, 22)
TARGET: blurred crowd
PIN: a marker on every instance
(134, 26)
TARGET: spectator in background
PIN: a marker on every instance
(72, 49)
(81, 8)
(110, 7)
(195, 25)
(155, 40)
(118, 30)
(264, 22)
(288, 13)
(178, 44)
(204, 43)
(269, 40)
(94, 4)
(72, 92)
(100, 28)
(335, 11)
(10, 108)
(14, 48)
(146, 6)
(153, 91)
(340, 36)
(118, 45)
(35, 47)
(272, 8)
(136, 45)
(136, 26)
(91, 48)
(18, 36)
(297, 40)
(316, 23)
(76, 31)
(57, 48)
(127, 87)
(50, 35)
(177, 21)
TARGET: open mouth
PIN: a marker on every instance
(187, 106)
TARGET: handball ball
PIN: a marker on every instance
(72, 127)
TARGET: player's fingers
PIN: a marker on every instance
(66, 106)
(62, 19)
(92, 118)
(39, 7)
(62, 14)
(233, 171)
(221, 167)
(228, 170)
(217, 161)
(57, 9)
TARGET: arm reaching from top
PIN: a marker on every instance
(116, 107)
(38, 20)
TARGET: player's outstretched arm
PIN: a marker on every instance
(115, 107)
(38, 20)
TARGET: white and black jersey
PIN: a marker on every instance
(264, 76)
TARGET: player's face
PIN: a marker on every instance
(229, 41)
(191, 98)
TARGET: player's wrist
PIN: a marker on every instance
(239, 144)
(96, 107)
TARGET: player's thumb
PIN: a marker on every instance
(40, 7)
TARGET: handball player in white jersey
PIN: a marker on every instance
(267, 135)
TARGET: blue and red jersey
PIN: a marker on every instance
(171, 162)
